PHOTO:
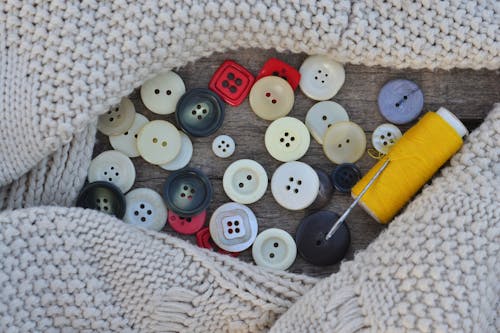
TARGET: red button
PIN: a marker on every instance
(232, 82)
(279, 68)
(186, 225)
(204, 240)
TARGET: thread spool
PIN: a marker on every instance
(414, 159)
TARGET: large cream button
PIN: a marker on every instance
(287, 139)
(274, 248)
(184, 156)
(146, 209)
(295, 185)
(245, 181)
(271, 98)
(344, 142)
(159, 142)
(114, 167)
(223, 146)
(385, 136)
(321, 116)
(321, 77)
(117, 120)
(161, 93)
(127, 142)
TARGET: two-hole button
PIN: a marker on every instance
(158, 142)
(344, 142)
(245, 181)
(271, 98)
(321, 116)
(161, 93)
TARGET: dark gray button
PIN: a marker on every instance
(345, 176)
(400, 101)
(104, 197)
(325, 191)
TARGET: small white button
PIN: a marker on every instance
(271, 97)
(117, 120)
(245, 181)
(127, 142)
(321, 77)
(321, 116)
(385, 136)
(161, 93)
(295, 185)
(223, 146)
(344, 142)
(183, 157)
(287, 139)
(146, 209)
(114, 167)
(158, 142)
(274, 248)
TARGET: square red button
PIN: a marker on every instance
(204, 240)
(232, 82)
(279, 68)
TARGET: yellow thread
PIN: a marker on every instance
(420, 152)
(375, 154)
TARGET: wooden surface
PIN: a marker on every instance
(469, 94)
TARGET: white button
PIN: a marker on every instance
(159, 142)
(385, 136)
(114, 167)
(183, 157)
(223, 146)
(287, 139)
(146, 209)
(271, 98)
(321, 116)
(117, 120)
(245, 181)
(321, 77)
(274, 248)
(295, 185)
(233, 227)
(127, 142)
(344, 142)
(161, 93)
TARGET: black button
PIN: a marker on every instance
(311, 243)
(325, 191)
(200, 112)
(104, 197)
(345, 176)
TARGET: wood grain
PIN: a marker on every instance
(469, 94)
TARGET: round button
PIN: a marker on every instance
(161, 93)
(311, 243)
(295, 185)
(127, 142)
(321, 116)
(145, 209)
(158, 142)
(205, 241)
(117, 120)
(321, 77)
(400, 101)
(187, 225)
(104, 197)
(200, 112)
(274, 248)
(114, 167)
(344, 142)
(287, 139)
(385, 136)
(187, 192)
(184, 156)
(233, 227)
(245, 181)
(223, 146)
(325, 192)
(271, 98)
(345, 176)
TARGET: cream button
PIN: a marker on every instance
(384, 137)
(344, 142)
(145, 209)
(117, 120)
(245, 181)
(161, 93)
(223, 146)
(184, 156)
(321, 77)
(127, 142)
(274, 248)
(271, 98)
(158, 142)
(321, 116)
(287, 139)
(113, 167)
(295, 185)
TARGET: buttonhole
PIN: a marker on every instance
(169, 92)
(275, 244)
(157, 91)
(271, 255)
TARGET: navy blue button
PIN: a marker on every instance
(104, 197)
(200, 112)
(325, 191)
(311, 243)
(400, 101)
(345, 176)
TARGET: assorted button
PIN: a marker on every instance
(400, 101)
(287, 139)
(182, 159)
(114, 167)
(325, 192)
(161, 93)
(145, 209)
(385, 136)
(205, 241)
(158, 142)
(274, 248)
(245, 181)
(127, 142)
(223, 146)
(187, 225)
(344, 142)
(117, 120)
(345, 176)
(322, 116)
(276, 67)
(232, 82)
(104, 197)
(271, 98)
(321, 77)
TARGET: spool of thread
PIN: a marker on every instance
(414, 159)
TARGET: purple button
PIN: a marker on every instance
(400, 101)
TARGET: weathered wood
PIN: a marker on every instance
(469, 94)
